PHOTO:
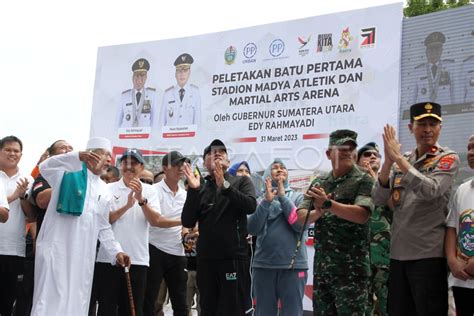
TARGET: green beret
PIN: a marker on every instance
(369, 146)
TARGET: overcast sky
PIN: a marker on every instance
(49, 51)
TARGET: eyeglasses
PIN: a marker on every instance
(367, 154)
(147, 181)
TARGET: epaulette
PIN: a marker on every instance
(150, 88)
(128, 90)
(194, 86)
(468, 58)
(170, 88)
(420, 65)
(448, 60)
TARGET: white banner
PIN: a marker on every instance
(268, 91)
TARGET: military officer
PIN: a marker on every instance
(340, 205)
(418, 184)
(368, 159)
(433, 78)
(136, 104)
(182, 102)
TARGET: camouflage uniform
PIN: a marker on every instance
(379, 225)
(341, 261)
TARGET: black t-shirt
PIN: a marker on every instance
(39, 185)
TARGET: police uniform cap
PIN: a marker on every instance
(134, 153)
(141, 65)
(342, 136)
(425, 109)
(435, 38)
(369, 146)
(184, 60)
(173, 158)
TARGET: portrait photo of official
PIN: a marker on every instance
(468, 76)
(182, 101)
(434, 78)
(136, 106)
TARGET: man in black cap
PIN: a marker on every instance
(167, 259)
(419, 185)
(340, 204)
(368, 159)
(136, 105)
(433, 78)
(181, 102)
(220, 205)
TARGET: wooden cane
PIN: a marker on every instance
(129, 289)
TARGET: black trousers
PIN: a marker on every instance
(173, 270)
(112, 289)
(224, 287)
(464, 300)
(10, 268)
(24, 300)
(418, 287)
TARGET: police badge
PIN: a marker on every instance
(128, 117)
(170, 112)
(423, 91)
(396, 197)
(444, 78)
(146, 106)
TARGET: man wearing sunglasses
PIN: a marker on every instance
(368, 159)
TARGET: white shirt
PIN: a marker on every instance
(66, 244)
(13, 231)
(131, 229)
(169, 239)
(3, 197)
(461, 217)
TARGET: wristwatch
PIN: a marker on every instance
(326, 204)
(143, 202)
(226, 185)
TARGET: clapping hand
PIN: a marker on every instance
(21, 187)
(391, 144)
(194, 181)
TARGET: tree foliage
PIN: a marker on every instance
(420, 7)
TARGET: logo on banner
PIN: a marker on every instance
(249, 52)
(345, 41)
(304, 42)
(324, 43)
(230, 54)
(276, 48)
(368, 37)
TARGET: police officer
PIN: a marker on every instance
(368, 159)
(340, 205)
(419, 185)
(433, 78)
(136, 104)
(181, 102)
